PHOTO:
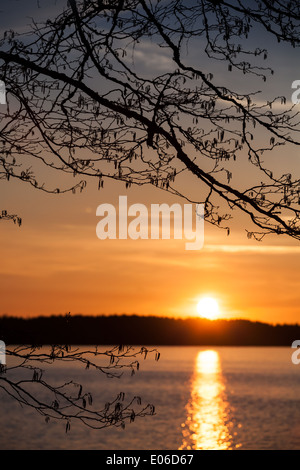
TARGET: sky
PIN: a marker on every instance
(54, 263)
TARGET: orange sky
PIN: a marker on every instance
(55, 264)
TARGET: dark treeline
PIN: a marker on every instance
(143, 330)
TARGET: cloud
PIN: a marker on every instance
(263, 249)
(151, 58)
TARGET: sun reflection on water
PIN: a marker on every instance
(207, 426)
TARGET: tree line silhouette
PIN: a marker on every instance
(143, 330)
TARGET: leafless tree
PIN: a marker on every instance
(24, 381)
(79, 103)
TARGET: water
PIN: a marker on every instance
(205, 398)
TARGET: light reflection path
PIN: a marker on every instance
(208, 425)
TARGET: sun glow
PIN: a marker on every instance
(208, 308)
(208, 425)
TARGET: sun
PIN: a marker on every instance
(208, 308)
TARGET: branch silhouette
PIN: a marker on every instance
(24, 381)
(79, 103)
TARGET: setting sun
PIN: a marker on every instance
(208, 308)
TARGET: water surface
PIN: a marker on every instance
(204, 397)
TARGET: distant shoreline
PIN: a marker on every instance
(143, 330)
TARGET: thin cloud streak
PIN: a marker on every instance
(267, 249)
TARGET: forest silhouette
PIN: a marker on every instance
(143, 330)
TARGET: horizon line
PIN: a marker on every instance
(167, 317)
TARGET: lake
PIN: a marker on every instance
(204, 397)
